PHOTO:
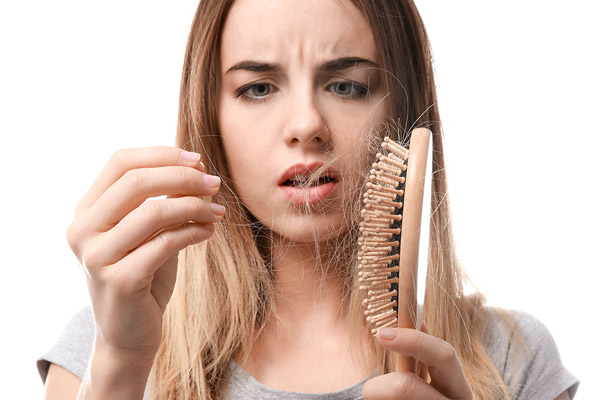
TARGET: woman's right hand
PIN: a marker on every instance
(128, 246)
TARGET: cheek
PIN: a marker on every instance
(245, 131)
(360, 156)
(358, 135)
(241, 158)
(248, 151)
(237, 135)
(356, 122)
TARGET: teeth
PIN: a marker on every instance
(303, 180)
(300, 180)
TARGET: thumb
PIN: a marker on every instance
(422, 370)
(424, 328)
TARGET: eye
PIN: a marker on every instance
(348, 89)
(255, 91)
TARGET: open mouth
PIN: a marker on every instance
(305, 181)
(308, 184)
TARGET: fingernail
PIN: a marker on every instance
(202, 167)
(212, 180)
(217, 209)
(189, 156)
(387, 333)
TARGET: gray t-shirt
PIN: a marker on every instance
(535, 371)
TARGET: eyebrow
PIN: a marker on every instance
(328, 66)
(345, 63)
(254, 66)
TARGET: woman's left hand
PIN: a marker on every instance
(436, 357)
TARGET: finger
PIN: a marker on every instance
(136, 186)
(127, 159)
(149, 219)
(136, 271)
(164, 281)
(422, 370)
(399, 385)
(442, 362)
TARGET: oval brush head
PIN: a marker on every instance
(389, 235)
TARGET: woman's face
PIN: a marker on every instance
(300, 92)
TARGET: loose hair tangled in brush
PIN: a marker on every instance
(224, 292)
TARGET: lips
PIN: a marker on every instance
(302, 187)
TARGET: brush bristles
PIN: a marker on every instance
(380, 232)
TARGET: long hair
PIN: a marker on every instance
(224, 291)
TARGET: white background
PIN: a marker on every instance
(518, 85)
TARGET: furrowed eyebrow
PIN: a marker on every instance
(254, 66)
(329, 66)
(345, 63)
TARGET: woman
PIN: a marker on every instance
(280, 105)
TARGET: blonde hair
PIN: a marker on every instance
(224, 292)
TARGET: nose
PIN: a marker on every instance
(305, 125)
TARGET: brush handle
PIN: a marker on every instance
(409, 243)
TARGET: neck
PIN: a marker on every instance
(308, 280)
(308, 345)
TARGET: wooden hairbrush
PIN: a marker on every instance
(390, 231)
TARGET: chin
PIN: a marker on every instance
(309, 228)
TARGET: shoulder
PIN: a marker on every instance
(509, 328)
(74, 346)
(527, 358)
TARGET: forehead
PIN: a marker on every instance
(311, 29)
